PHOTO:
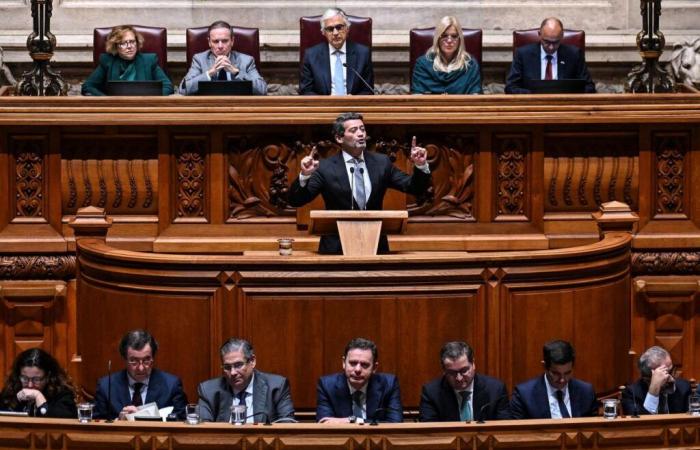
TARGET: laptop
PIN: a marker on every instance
(565, 86)
(225, 87)
(137, 88)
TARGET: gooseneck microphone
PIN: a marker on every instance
(352, 188)
(374, 91)
(378, 412)
(482, 410)
(261, 413)
(110, 412)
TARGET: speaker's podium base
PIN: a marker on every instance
(359, 231)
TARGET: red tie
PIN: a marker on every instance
(548, 70)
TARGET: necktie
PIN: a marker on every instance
(465, 413)
(136, 398)
(338, 79)
(548, 70)
(241, 397)
(222, 75)
(562, 406)
(357, 409)
(359, 182)
(663, 404)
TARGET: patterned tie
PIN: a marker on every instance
(359, 182)
(357, 409)
(338, 79)
(136, 399)
(465, 413)
(548, 69)
(562, 406)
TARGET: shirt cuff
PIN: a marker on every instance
(651, 403)
(303, 179)
(425, 168)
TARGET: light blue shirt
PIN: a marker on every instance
(343, 57)
(543, 66)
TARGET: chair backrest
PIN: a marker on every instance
(421, 39)
(155, 40)
(310, 32)
(577, 38)
(245, 40)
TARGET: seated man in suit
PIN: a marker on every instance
(359, 393)
(658, 391)
(140, 383)
(556, 394)
(355, 178)
(265, 395)
(461, 394)
(221, 62)
(332, 68)
(547, 60)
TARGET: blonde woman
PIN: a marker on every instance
(124, 61)
(447, 68)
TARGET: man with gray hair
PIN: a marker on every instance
(658, 391)
(338, 66)
(461, 394)
(265, 395)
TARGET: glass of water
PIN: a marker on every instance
(85, 412)
(694, 405)
(192, 413)
(238, 414)
(610, 408)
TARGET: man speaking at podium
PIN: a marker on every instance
(355, 179)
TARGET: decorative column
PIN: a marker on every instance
(41, 80)
(649, 76)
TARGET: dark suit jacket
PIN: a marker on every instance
(530, 399)
(333, 397)
(145, 64)
(677, 401)
(163, 388)
(331, 181)
(270, 396)
(438, 402)
(571, 64)
(315, 77)
(61, 405)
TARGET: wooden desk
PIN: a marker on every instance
(659, 432)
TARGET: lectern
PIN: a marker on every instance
(359, 231)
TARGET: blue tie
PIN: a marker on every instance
(465, 413)
(338, 80)
(359, 182)
(562, 406)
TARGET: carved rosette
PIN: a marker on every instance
(14, 267)
(666, 263)
(670, 177)
(510, 175)
(29, 182)
(191, 178)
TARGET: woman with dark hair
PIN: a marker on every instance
(124, 61)
(447, 67)
(39, 386)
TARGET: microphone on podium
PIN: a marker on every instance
(374, 91)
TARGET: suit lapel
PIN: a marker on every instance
(122, 396)
(155, 385)
(325, 63)
(481, 398)
(225, 400)
(373, 173)
(448, 400)
(260, 388)
(344, 397)
(541, 399)
(351, 61)
(341, 174)
(573, 399)
(374, 394)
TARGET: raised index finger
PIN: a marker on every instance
(413, 142)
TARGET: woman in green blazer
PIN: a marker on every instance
(123, 61)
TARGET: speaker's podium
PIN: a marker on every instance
(359, 231)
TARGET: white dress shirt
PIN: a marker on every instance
(543, 61)
(554, 403)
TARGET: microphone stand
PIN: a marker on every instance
(481, 413)
(109, 393)
(352, 188)
(374, 91)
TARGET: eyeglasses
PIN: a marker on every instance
(235, 366)
(339, 27)
(127, 44)
(463, 371)
(146, 362)
(34, 380)
(449, 37)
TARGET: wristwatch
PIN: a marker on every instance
(352, 419)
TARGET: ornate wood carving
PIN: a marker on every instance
(671, 150)
(29, 175)
(104, 170)
(37, 267)
(581, 177)
(666, 263)
(511, 182)
(190, 176)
